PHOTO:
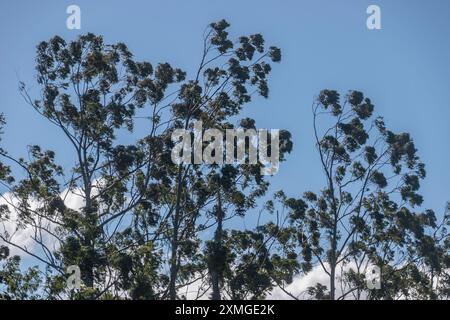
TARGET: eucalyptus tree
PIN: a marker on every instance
(366, 216)
(236, 189)
(89, 91)
(141, 213)
(229, 74)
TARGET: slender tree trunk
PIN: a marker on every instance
(174, 244)
(332, 282)
(333, 258)
(216, 271)
(90, 220)
(89, 236)
(176, 227)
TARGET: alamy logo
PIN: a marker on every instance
(73, 282)
(373, 278)
(374, 20)
(74, 20)
(212, 146)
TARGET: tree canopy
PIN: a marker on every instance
(148, 228)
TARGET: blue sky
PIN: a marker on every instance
(404, 68)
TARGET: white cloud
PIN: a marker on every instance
(20, 236)
(301, 283)
(23, 236)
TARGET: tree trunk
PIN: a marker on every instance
(216, 271)
(332, 282)
(89, 237)
(334, 257)
(174, 244)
